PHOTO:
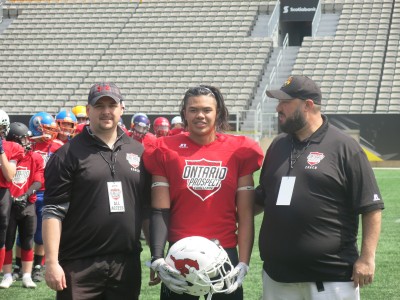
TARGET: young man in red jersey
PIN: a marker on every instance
(10, 154)
(45, 130)
(203, 186)
(28, 179)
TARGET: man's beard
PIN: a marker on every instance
(294, 123)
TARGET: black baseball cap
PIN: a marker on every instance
(297, 86)
(104, 89)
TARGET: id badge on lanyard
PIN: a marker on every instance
(286, 190)
(116, 196)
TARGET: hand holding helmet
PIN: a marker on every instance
(169, 276)
(239, 272)
(20, 202)
(202, 263)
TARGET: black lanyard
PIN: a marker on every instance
(294, 158)
(111, 164)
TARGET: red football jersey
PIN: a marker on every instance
(203, 182)
(14, 152)
(29, 169)
(46, 149)
(146, 141)
(79, 128)
(174, 131)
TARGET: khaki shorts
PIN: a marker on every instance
(273, 290)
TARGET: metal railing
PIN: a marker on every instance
(316, 20)
(272, 79)
(1, 11)
(274, 20)
(258, 131)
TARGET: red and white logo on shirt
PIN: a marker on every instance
(133, 159)
(21, 177)
(315, 158)
(204, 177)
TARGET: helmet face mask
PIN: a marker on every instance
(161, 126)
(202, 263)
(140, 125)
(42, 125)
(66, 122)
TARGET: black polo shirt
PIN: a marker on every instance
(313, 236)
(78, 174)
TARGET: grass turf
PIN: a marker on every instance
(385, 285)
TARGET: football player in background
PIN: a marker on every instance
(161, 126)
(28, 179)
(10, 154)
(44, 142)
(140, 127)
(202, 186)
(81, 116)
(67, 123)
(177, 125)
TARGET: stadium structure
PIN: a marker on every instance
(52, 51)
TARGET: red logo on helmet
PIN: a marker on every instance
(183, 265)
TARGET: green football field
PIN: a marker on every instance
(387, 274)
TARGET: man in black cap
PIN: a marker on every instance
(96, 196)
(314, 184)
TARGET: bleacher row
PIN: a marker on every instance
(153, 53)
(357, 66)
(56, 49)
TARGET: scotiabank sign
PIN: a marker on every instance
(298, 10)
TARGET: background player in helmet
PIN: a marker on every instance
(203, 186)
(177, 125)
(67, 123)
(140, 126)
(26, 182)
(80, 113)
(161, 126)
(45, 130)
(10, 154)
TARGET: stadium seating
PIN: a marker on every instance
(154, 52)
(56, 49)
(349, 65)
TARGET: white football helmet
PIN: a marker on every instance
(4, 123)
(202, 263)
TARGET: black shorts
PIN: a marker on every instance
(25, 220)
(5, 210)
(107, 277)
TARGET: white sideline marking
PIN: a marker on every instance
(397, 221)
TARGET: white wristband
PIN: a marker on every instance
(159, 183)
(246, 188)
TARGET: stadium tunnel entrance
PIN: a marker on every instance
(296, 30)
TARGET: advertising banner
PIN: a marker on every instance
(298, 11)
